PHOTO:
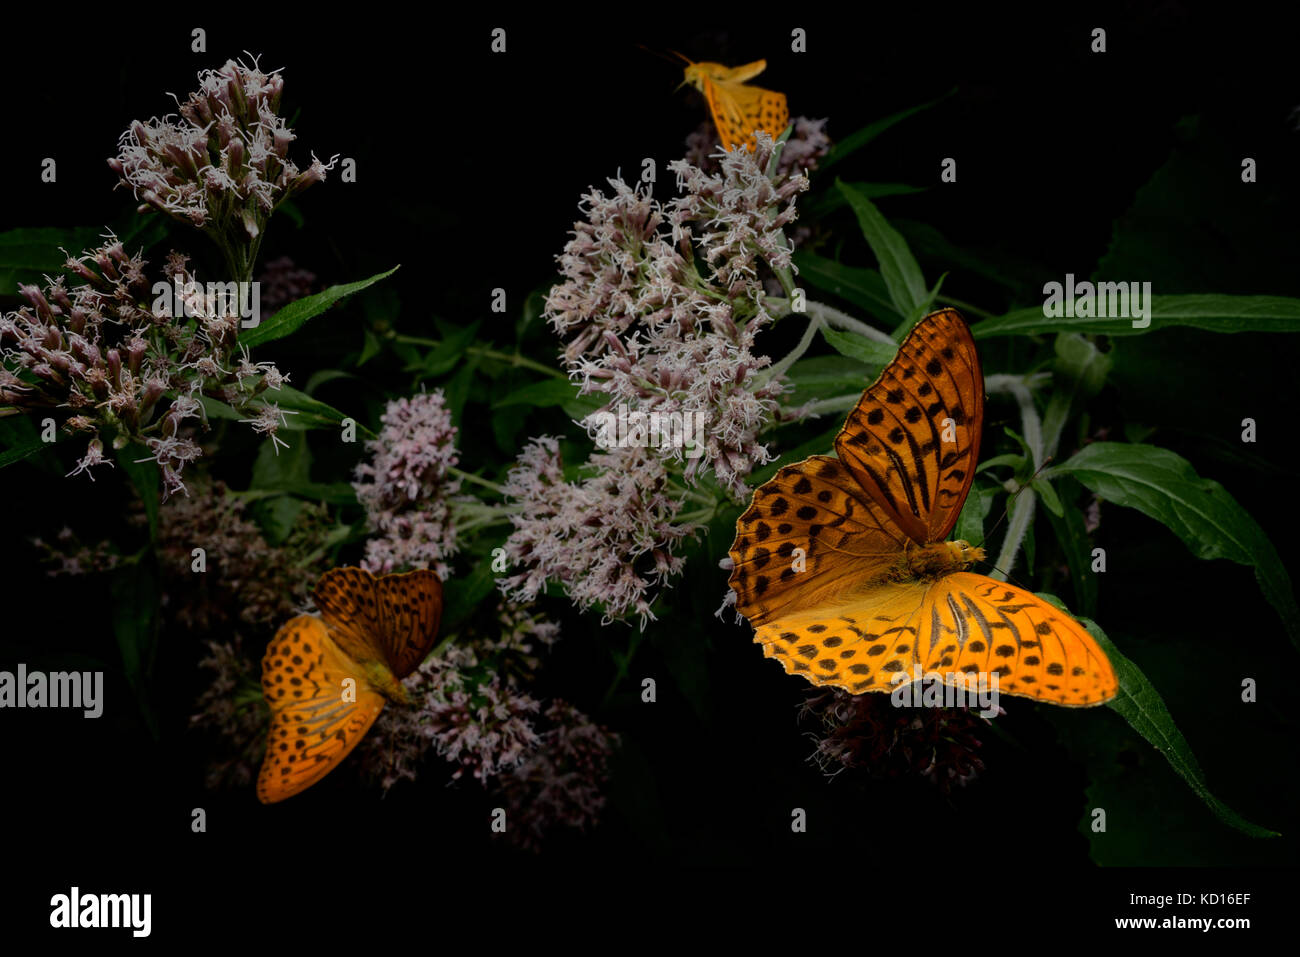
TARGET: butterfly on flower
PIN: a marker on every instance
(326, 677)
(738, 109)
(842, 564)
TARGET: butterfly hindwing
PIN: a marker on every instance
(972, 624)
(394, 617)
(912, 442)
(859, 645)
(317, 718)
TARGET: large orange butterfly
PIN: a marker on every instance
(841, 564)
(326, 678)
(738, 110)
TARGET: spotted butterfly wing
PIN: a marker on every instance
(314, 723)
(396, 616)
(738, 110)
(913, 440)
(839, 566)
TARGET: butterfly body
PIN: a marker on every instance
(738, 110)
(842, 564)
(327, 677)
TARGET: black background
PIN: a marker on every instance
(470, 167)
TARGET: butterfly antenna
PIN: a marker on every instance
(1006, 510)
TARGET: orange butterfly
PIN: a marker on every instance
(326, 678)
(841, 564)
(738, 110)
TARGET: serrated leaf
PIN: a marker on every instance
(1165, 487)
(292, 317)
(1216, 313)
(898, 267)
(874, 355)
(864, 288)
(1138, 703)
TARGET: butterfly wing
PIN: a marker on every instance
(394, 616)
(738, 110)
(809, 538)
(913, 440)
(312, 727)
(973, 624)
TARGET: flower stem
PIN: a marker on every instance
(835, 319)
(470, 477)
(522, 362)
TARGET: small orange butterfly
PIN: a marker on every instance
(738, 110)
(842, 567)
(327, 677)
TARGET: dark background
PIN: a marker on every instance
(470, 167)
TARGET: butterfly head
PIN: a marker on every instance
(965, 554)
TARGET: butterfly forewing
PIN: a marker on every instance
(809, 535)
(393, 619)
(913, 440)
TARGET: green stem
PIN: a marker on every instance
(838, 403)
(836, 319)
(522, 362)
(477, 480)
(1022, 516)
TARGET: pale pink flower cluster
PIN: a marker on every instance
(224, 162)
(464, 709)
(561, 783)
(406, 490)
(96, 347)
(607, 539)
(647, 330)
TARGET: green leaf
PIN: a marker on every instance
(457, 391)
(821, 445)
(825, 203)
(1008, 458)
(1213, 312)
(1140, 705)
(291, 318)
(145, 479)
(17, 453)
(875, 355)
(462, 595)
(1048, 495)
(824, 376)
(1165, 487)
(970, 523)
(449, 351)
(864, 288)
(321, 376)
(901, 273)
(548, 392)
(860, 138)
(277, 516)
(311, 413)
(370, 347)
(29, 255)
(134, 592)
(283, 468)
